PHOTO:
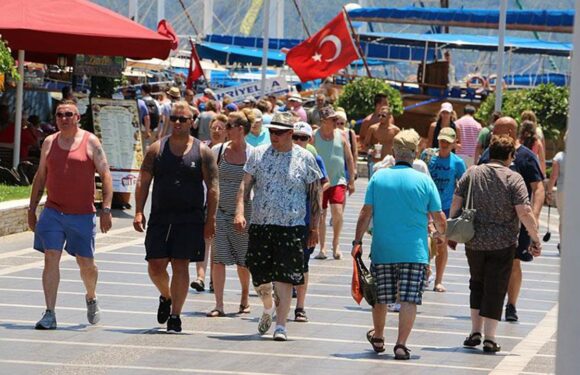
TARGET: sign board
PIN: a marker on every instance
(276, 86)
(116, 124)
(99, 66)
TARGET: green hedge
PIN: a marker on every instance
(549, 103)
(357, 97)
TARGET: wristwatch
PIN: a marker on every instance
(356, 242)
(106, 210)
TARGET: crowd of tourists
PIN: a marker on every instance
(258, 184)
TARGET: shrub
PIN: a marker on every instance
(549, 103)
(357, 97)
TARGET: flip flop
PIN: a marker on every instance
(337, 255)
(244, 309)
(321, 256)
(198, 285)
(215, 313)
(378, 344)
(439, 288)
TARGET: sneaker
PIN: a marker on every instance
(174, 324)
(394, 307)
(511, 314)
(48, 321)
(265, 323)
(93, 311)
(164, 310)
(280, 334)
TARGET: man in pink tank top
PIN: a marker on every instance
(68, 162)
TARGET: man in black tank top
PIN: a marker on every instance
(179, 165)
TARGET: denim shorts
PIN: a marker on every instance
(73, 232)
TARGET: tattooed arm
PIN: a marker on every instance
(210, 176)
(143, 184)
(102, 167)
(39, 182)
(315, 199)
(242, 197)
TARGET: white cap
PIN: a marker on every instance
(446, 107)
(295, 98)
(302, 128)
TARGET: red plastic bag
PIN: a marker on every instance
(355, 286)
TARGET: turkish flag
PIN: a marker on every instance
(164, 28)
(324, 53)
(195, 70)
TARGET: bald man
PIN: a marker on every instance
(526, 164)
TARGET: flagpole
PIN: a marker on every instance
(357, 42)
(265, 46)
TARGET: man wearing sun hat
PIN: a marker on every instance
(399, 249)
(283, 176)
(446, 169)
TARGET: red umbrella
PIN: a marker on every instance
(48, 28)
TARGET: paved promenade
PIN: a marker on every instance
(129, 341)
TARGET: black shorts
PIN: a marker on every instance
(524, 242)
(175, 241)
(275, 253)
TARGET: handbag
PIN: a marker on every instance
(366, 280)
(460, 229)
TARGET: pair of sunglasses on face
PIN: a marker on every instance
(67, 114)
(278, 132)
(302, 138)
(181, 119)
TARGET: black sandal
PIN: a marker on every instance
(405, 356)
(490, 346)
(473, 340)
(378, 343)
(198, 285)
(300, 315)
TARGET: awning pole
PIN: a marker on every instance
(500, 53)
(266, 13)
(18, 119)
(425, 61)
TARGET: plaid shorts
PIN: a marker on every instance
(408, 279)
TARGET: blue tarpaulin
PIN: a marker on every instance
(558, 20)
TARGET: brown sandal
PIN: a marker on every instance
(378, 343)
(407, 352)
(215, 313)
(244, 309)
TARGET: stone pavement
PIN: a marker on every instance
(129, 341)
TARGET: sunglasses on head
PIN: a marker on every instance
(230, 125)
(278, 132)
(302, 138)
(65, 114)
(174, 118)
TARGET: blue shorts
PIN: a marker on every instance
(405, 279)
(75, 233)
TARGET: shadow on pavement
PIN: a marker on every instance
(80, 327)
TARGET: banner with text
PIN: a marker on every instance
(116, 124)
(276, 86)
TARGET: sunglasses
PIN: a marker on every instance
(278, 132)
(302, 138)
(182, 119)
(65, 114)
(229, 125)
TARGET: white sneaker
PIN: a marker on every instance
(394, 307)
(280, 334)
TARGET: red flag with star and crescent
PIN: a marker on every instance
(195, 71)
(326, 52)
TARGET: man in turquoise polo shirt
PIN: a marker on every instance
(399, 200)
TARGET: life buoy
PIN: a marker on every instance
(492, 82)
(476, 82)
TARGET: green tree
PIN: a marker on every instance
(7, 64)
(549, 103)
(357, 97)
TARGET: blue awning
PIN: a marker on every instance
(228, 48)
(472, 42)
(531, 20)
